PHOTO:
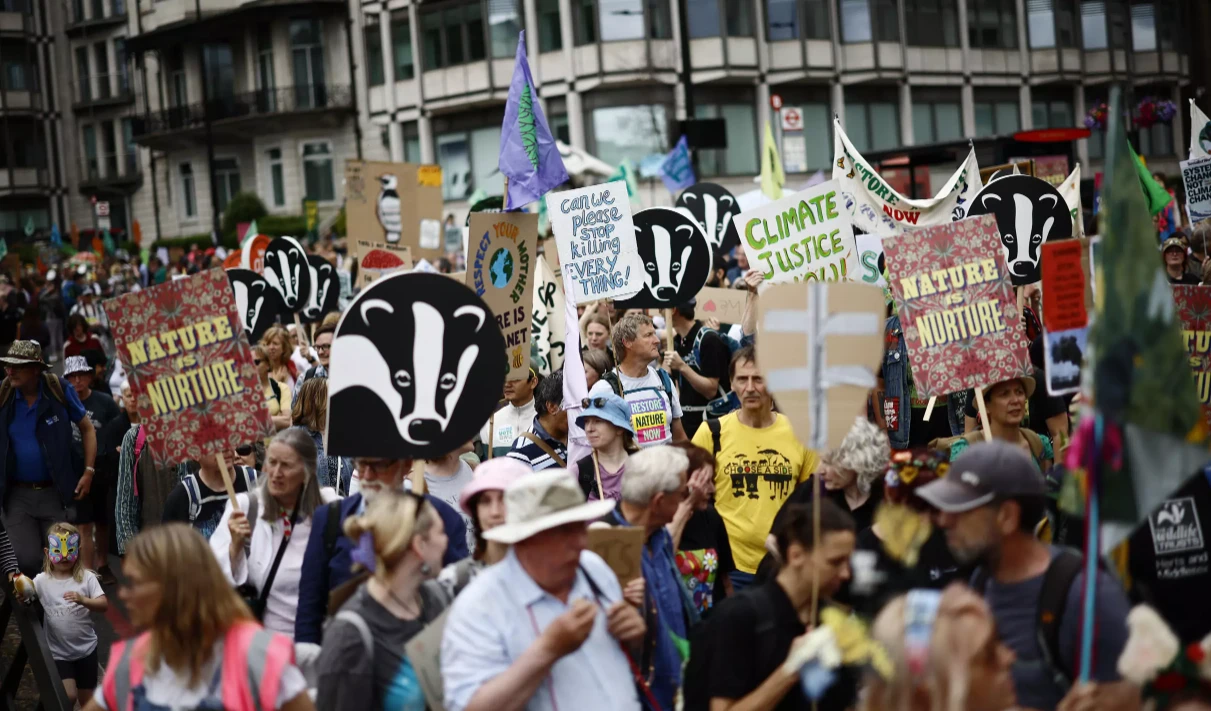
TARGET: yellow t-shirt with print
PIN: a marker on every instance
(757, 469)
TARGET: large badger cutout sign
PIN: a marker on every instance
(676, 258)
(416, 369)
(1029, 212)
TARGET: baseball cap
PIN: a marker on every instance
(1173, 243)
(985, 472)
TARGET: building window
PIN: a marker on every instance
(992, 24)
(264, 67)
(373, 40)
(92, 165)
(703, 16)
(109, 144)
(98, 8)
(504, 24)
(277, 177)
(869, 20)
(317, 171)
(741, 155)
(469, 162)
(1093, 24)
(996, 116)
(119, 7)
(120, 65)
(559, 127)
(585, 21)
(453, 36)
(783, 19)
(101, 59)
(932, 23)
(1051, 23)
(1052, 113)
(872, 125)
(1143, 27)
(937, 117)
(189, 198)
(220, 73)
(630, 132)
(83, 78)
(1156, 140)
(130, 152)
(412, 149)
(227, 179)
(307, 60)
(78, 11)
(18, 74)
(177, 95)
(624, 19)
(549, 33)
(401, 46)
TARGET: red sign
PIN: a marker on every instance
(792, 119)
(1052, 135)
(1063, 286)
(775, 101)
(1194, 313)
(955, 298)
(190, 367)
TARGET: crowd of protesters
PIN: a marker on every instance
(331, 582)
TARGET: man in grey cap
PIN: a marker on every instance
(989, 504)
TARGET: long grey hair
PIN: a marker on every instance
(309, 499)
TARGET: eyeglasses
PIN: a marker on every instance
(244, 450)
(324, 348)
(256, 361)
(593, 402)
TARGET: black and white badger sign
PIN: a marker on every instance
(712, 207)
(286, 270)
(416, 369)
(322, 297)
(676, 259)
(258, 302)
(1029, 212)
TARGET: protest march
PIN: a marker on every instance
(838, 448)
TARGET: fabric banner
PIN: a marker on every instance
(190, 367)
(876, 207)
(1196, 174)
(805, 236)
(1194, 315)
(677, 170)
(1065, 314)
(596, 238)
(547, 322)
(1070, 190)
(499, 269)
(956, 302)
(1200, 132)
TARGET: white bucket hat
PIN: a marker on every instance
(544, 500)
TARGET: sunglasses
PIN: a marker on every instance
(323, 349)
(593, 402)
(244, 450)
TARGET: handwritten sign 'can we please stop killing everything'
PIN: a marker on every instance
(802, 237)
(596, 239)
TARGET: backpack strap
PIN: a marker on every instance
(716, 430)
(254, 660)
(667, 381)
(363, 629)
(1035, 442)
(1057, 582)
(332, 528)
(55, 386)
(546, 448)
(611, 377)
(194, 492)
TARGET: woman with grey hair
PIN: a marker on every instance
(260, 543)
(852, 474)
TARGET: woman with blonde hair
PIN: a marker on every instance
(309, 412)
(400, 542)
(277, 398)
(277, 346)
(945, 655)
(200, 647)
(260, 545)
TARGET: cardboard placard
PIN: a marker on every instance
(819, 349)
(596, 239)
(957, 306)
(424, 654)
(1063, 286)
(727, 305)
(375, 261)
(621, 547)
(805, 236)
(395, 204)
(1194, 314)
(548, 327)
(1196, 174)
(499, 271)
(190, 367)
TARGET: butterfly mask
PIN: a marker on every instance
(63, 547)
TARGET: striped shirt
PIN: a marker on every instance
(528, 451)
(8, 559)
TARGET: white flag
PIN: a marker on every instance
(1200, 132)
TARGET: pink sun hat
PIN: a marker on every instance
(493, 475)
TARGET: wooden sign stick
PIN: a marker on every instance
(298, 328)
(235, 506)
(597, 473)
(491, 432)
(418, 477)
(668, 328)
(983, 415)
(929, 408)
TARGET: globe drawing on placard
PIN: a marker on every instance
(501, 268)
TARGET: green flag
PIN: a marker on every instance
(29, 227)
(107, 242)
(626, 173)
(1158, 198)
(252, 232)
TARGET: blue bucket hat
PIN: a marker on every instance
(610, 408)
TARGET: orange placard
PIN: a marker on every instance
(1063, 286)
(429, 176)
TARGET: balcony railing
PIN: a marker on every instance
(265, 102)
(119, 168)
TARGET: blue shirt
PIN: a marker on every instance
(22, 433)
(663, 589)
(503, 611)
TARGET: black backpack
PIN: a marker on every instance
(1049, 616)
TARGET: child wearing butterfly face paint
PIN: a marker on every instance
(69, 592)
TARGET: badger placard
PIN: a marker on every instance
(500, 264)
(802, 237)
(415, 369)
(1029, 212)
(675, 255)
(259, 304)
(287, 271)
(190, 367)
(712, 207)
(325, 290)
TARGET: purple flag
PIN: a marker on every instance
(528, 155)
(676, 170)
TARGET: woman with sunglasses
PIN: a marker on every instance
(277, 399)
(606, 421)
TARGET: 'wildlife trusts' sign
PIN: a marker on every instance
(395, 204)
(802, 237)
(595, 234)
(190, 367)
(499, 269)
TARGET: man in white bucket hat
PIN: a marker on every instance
(547, 626)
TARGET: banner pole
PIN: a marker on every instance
(491, 432)
(597, 473)
(933, 399)
(298, 328)
(418, 477)
(668, 329)
(235, 506)
(983, 415)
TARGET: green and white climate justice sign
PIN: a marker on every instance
(802, 237)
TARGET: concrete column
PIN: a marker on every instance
(1180, 146)
(906, 128)
(1078, 109)
(395, 138)
(576, 120)
(567, 38)
(424, 126)
(838, 100)
(967, 100)
(1023, 40)
(1024, 112)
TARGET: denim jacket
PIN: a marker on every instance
(896, 387)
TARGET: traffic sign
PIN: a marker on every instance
(102, 208)
(792, 119)
(775, 101)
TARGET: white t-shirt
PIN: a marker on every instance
(448, 489)
(507, 425)
(69, 629)
(652, 413)
(169, 689)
